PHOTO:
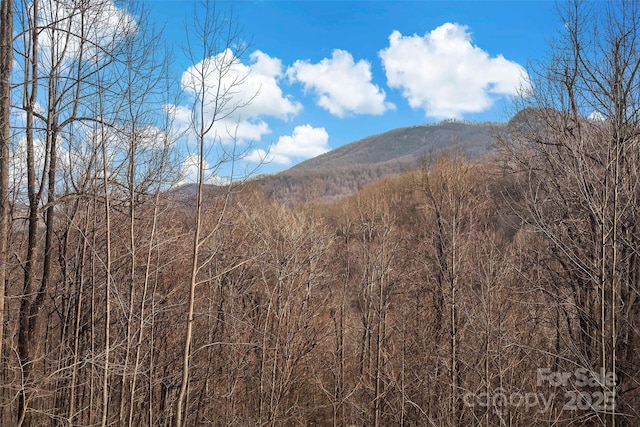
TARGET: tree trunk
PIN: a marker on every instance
(6, 62)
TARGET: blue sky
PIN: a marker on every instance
(332, 72)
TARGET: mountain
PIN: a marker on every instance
(407, 145)
(348, 168)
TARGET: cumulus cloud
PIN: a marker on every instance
(74, 28)
(152, 138)
(18, 164)
(236, 94)
(263, 82)
(190, 172)
(596, 116)
(444, 74)
(225, 129)
(305, 142)
(341, 85)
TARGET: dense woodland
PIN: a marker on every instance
(503, 291)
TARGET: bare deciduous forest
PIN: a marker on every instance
(503, 291)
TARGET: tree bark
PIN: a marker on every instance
(6, 62)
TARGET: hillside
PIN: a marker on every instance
(348, 168)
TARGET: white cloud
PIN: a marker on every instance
(258, 156)
(190, 169)
(190, 172)
(225, 129)
(91, 27)
(342, 85)
(265, 72)
(596, 116)
(153, 138)
(305, 142)
(18, 163)
(238, 94)
(444, 74)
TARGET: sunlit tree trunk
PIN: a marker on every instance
(33, 195)
(6, 63)
(216, 48)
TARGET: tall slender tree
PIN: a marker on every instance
(215, 48)
(6, 63)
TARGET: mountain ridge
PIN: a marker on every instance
(408, 144)
(346, 169)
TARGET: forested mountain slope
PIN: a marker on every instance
(348, 168)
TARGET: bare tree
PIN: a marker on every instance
(6, 63)
(212, 83)
(574, 149)
(71, 58)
